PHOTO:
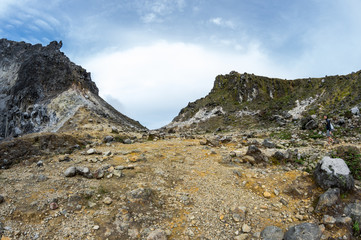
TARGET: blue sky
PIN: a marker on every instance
(150, 58)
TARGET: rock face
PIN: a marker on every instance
(334, 173)
(40, 89)
(239, 100)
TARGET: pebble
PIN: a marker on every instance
(91, 151)
(157, 234)
(108, 153)
(107, 201)
(96, 227)
(241, 237)
(2, 199)
(40, 164)
(70, 172)
(236, 217)
(283, 201)
(54, 205)
(246, 228)
(267, 194)
(118, 173)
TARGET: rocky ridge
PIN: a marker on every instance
(243, 100)
(41, 89)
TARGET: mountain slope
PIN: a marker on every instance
(41, 89)
(243, 100)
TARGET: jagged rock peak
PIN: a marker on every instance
(40, 88)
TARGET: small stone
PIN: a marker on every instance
(2, 199)
(91, 204)
(328, 219)
(40, 164)
(117, 173)
(91, 151)
(70, 172)
(236, 217)
(276, 192)
(299, 216)
(96, 227)
(107, 201)
(127, 141)
(246, 228)
(54, 205)
(108, 153)
(237, 172)
(243, 236)
(283, 201)
(108, 139)
(157, 234)
(267, 194)
(120, 167)
(99, 174)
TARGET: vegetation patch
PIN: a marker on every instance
(352, 156)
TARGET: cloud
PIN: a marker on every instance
(154, 82)
(157, 10)
(222, 23)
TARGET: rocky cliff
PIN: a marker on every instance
(244, 100)
(41, 89)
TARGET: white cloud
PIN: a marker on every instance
(156, 10)
(222, 23)
(154, 82)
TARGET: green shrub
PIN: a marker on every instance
(352, 156)
(356, 229)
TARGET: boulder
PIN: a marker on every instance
(303, 231)
(256, 153)
(328, 199)
(272, 233)
(334, 173)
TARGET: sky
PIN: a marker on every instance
(149, 58)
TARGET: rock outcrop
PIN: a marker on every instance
(40, 89)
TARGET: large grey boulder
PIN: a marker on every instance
(303, 231)
(353, 210)
(328, 199)
(272, 233)
(334, 173)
